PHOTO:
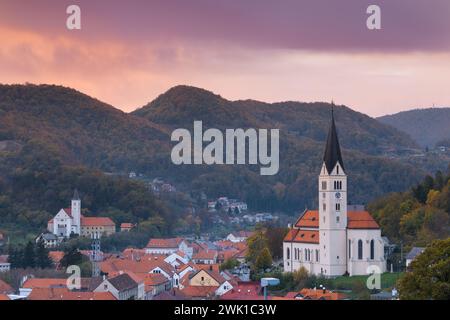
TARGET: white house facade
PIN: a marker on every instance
(334, 240)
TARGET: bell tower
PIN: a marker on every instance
(333, 207)
(76, 213)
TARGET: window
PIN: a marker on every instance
(324, 185)
(288, 253)
(317, 255)
(360, 249)
(324, 207)
(338, 207)
(349, 249)
(202, 278)
(337, 169)
(337, 219)
(372, 249)
(338, 185)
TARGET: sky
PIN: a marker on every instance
(129, 52)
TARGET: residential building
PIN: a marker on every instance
(4, 263)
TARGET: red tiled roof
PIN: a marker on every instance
(56, 256)
(361, 220)
(309, 219)
(65, 294)
(302, 236)
(154, 279)
(44, 283)
(355, 220)
(97, 221)
(164, 243)
(4, 287)
(200, 291)
(205, 255)
(3, 297)
(244, 291)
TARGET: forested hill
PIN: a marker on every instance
(181, 105)
(428, 127)
(77, 130)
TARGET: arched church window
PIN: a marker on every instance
(360, 249)
(372, 249)
(349, 249)
(288, 253)
(337, 169)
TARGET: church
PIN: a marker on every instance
(336, 239)
(70, 221)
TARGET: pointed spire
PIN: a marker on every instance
(75, 195)
(332, 151)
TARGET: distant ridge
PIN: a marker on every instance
(427, 127)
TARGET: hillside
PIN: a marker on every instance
(81, 131)
(303, 129)
(427, 127)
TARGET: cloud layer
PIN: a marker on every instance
(128, 52)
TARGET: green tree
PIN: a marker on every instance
(264, 260)
(43, 261)
(29, 258)
(229, 264)
(430, 274)
(72, 256)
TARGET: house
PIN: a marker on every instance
(239, 236)
(333, 240)
(210, 279)
(56, 257)
(205, 257)
(70, 221)
(4, 263)
(413, 254)
(48, 239)
(126, 226)
(168, 246)
(123, 286)
(155, 283)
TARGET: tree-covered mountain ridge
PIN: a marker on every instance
(83, 131)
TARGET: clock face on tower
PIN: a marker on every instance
(338, 195)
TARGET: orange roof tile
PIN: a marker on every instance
(302, 236)
(65, 294)
(3, 297)
(44, 283)
(200, 291)
(164, 243)
(205, 255)
(4, 287)
(97, 221)
(355, 220)
(361, 220)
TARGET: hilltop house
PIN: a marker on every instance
(333, 240)
(71, 221)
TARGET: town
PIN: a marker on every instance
(337, 241)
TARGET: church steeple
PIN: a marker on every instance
(75, 195)
(332, 153)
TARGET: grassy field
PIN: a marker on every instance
(388, 281)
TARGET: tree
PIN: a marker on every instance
(29, 258)
(72, 256)
(256, 243)
(229, 264)
(264, 260)
(275, 237)
(43, 261)
(430, 274)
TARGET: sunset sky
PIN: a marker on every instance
(128, 52)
